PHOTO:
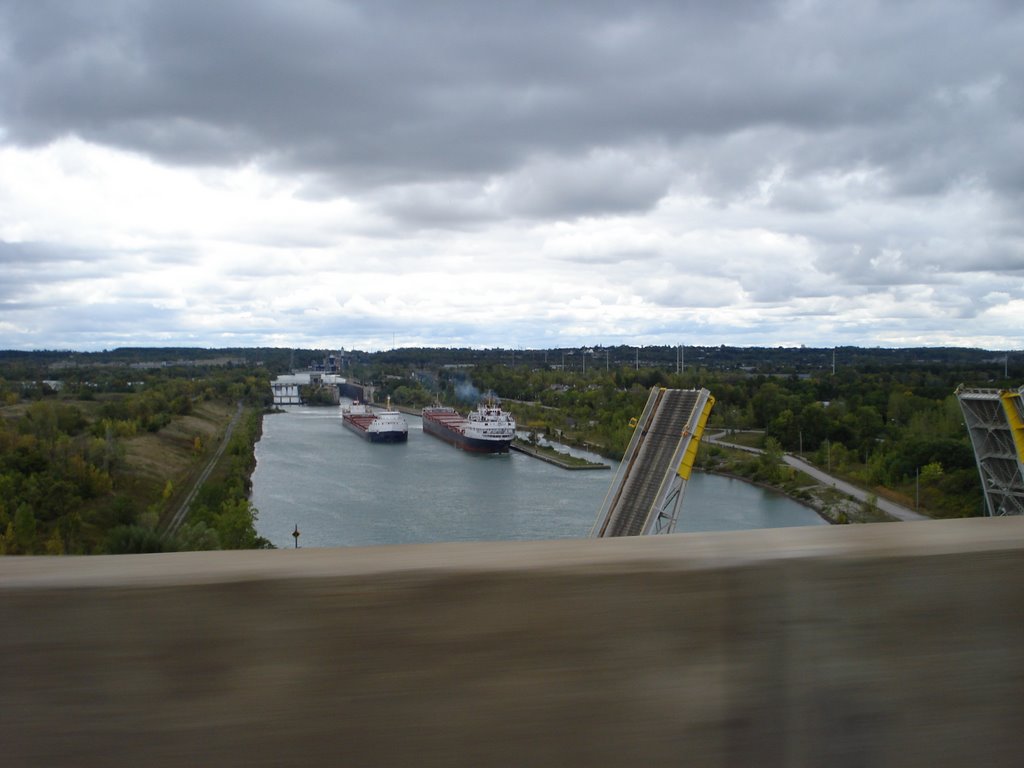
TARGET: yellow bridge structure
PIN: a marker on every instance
(647, 490)
(995, 421)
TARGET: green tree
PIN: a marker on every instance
(136, 539)
(770, 460)
(235, 524)
(931, 472)
(24, 538)
(785, 429)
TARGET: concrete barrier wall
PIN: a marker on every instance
(883, 645)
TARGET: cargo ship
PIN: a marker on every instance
(385, 426)
(488, 429)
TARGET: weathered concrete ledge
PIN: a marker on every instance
(862, 645)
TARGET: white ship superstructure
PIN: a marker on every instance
(488, 429)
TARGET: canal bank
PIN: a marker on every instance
(835, 499)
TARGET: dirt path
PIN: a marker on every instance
(179, 515)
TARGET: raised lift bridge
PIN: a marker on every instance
(647, 490)
(995, 421)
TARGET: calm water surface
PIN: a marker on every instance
(343, 491)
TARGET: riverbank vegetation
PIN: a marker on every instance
(96, 461)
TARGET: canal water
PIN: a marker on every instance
(344, 491)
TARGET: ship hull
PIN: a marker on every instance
(377, 436)
(391, 436)
(461, 441)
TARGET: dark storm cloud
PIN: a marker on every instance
(391, 93)
(25, 265)
(46, 262)
(14, 255)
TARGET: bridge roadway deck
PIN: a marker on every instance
(650, 463)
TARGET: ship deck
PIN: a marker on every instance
(362, 422)
(449, 419)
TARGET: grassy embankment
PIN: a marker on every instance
(162, 466)
(83, 476)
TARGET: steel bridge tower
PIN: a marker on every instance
(647, 490)
(995, 421)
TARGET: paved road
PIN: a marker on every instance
(179, 516)
(889, 507)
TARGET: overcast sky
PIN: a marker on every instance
(516, 174)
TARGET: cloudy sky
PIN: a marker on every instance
(527, 174)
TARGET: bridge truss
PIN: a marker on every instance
(647, 490)
(995, 421)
